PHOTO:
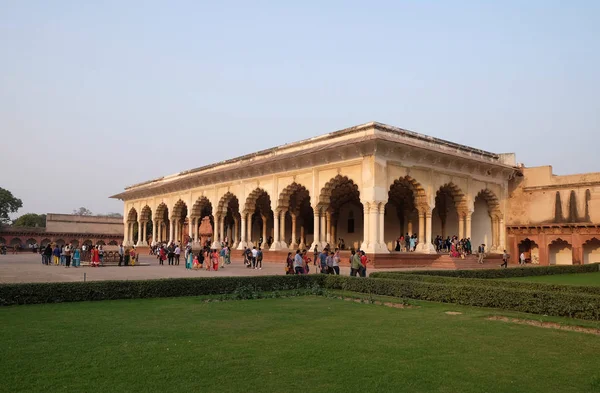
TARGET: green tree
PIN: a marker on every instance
(8, 204)
(30, 220)
(82, 211)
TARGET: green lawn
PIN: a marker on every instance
(302, 344)
(568, 279)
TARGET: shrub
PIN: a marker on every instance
(532, 286)
(512, 272)
(35, 293)
(576, 305)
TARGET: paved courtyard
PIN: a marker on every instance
(28, 268)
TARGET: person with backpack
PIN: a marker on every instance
(222, 257)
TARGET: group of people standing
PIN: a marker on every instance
(407, 243)
(326, 262)
(206, 258)
(61, 255)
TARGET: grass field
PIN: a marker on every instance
(567, 279)
(303, 344)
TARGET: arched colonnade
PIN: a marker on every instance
(297, 217)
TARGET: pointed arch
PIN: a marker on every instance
(180, 209)
(560, 252)
(228, 201)
(146, 214)
(132, 216)
(162, 212)
(292, 196)
(338, 191)
(202, 208)
(257, 196)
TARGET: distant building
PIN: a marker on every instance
(65, 228)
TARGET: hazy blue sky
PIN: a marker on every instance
(98, 95)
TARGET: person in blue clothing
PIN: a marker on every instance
(323, 260)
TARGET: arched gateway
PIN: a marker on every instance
(362, 187)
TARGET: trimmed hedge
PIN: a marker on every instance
(512, 272)
(575, 305)
(35, 293)
(531, 286)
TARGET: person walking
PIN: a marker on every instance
(215, 260)
(132, 256)
(289, 264)
(481, 253)
(227, 255)
(162, 255)
(336, 261)
(298, 263)
(330, 263)
(355, 264)
(522, 259)
(315, 255)
(259, 258)
(505, 258)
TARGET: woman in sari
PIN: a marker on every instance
(306, 262)
(95, 257)
(189, 261)
(76, 257)
(453, 252)
(215, 260)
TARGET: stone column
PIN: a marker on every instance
(494, 244)
(429, 247)
(125, 233)
(302, 244)
(382, 243)
(138, 241)
(154, 230)
(317, 220)
(461, 225)
(468, 224)
(409, 226)
(323, 231)
(282, 242)
(374, 235)
(222, 229)
(243, 242)
(502, 231)
(421, 238)
(294, 244)
(327, 227)
(171, 230)
(191, 229)
(276, 232)
(236, 232)
(366, 210)
(264, 231)
(249, 233)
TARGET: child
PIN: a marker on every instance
(196, 263)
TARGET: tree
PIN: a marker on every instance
(30, 220)
(113, 215)
(8, 204)
(82, 211)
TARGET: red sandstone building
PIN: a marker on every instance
(65, 228)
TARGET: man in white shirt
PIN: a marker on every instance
(298, 263)
(522, 259)
(177, 254)
(254, 255)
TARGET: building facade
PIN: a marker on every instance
(65, 228)
(367, 185)
(554, 220)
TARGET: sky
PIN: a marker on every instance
(99, 95)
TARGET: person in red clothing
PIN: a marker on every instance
(363, 260)
(162, 255)
(95, 257)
